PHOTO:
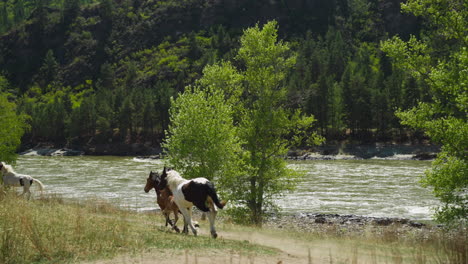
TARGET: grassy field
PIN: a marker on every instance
(54, 230)
(50, 230)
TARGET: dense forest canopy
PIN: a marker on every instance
(99, 72)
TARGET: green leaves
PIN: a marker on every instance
(445, 119)
(412, 56)
(202, 140)
(234, 126)
(12, 128)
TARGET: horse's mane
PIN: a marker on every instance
(8, 168)
(174, 178)
(154, 176)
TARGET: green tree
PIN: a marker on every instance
(4, 20)
(443, 68)
(49, 69)
(71, 9)
(126, 122)
(19, 12)
(104, 115)
(83, 117)
(267, 127)
(360, 80)
(12, 126)
(336, 110)
(202, 140)
(229, 107)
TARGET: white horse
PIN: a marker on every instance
(187, 193)
(11, 178)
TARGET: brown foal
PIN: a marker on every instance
(164, 199)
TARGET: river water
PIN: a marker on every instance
(373, 187)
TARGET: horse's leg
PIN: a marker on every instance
(24, 191)
(211, 216)
(27, 186)
(167, 213)
(176, 218)
(168, 220)
(194, 230)
(187, 213)
(186, 219)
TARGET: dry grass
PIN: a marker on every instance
(392, 245)
(373, 244)
(52, 230)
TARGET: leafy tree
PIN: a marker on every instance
(202, 140)
(253, 99)
(267, 127)
(444, 118)
(12, 126)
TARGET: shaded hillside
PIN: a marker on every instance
(95, 34)
(106, 70)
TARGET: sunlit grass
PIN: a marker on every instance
(54, 230)
(371, 244)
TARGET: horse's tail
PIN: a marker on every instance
(214, 197)
(41, 186)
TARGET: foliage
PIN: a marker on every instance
(12, 126)
(201, 139)
(237, 115)
(267, 126)
(126, 52)
(444, 118)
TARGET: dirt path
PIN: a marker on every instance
(290, 250)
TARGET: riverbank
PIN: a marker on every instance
(340, 151)
(302, 239)
(55, 230)
(308, 222)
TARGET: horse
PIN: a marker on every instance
(187, 193)
(11, 178)
(164, 199)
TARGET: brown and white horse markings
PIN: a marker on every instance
(187, 193)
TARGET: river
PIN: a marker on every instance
(373, 187)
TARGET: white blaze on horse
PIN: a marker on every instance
(11, 178)
(187, 193)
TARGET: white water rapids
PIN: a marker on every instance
(374, 187)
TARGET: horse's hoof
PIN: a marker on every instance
(214, 235)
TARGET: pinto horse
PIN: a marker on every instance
(11, 178)
(187, 193)
(164, 198)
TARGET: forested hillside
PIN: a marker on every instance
(100, 72)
